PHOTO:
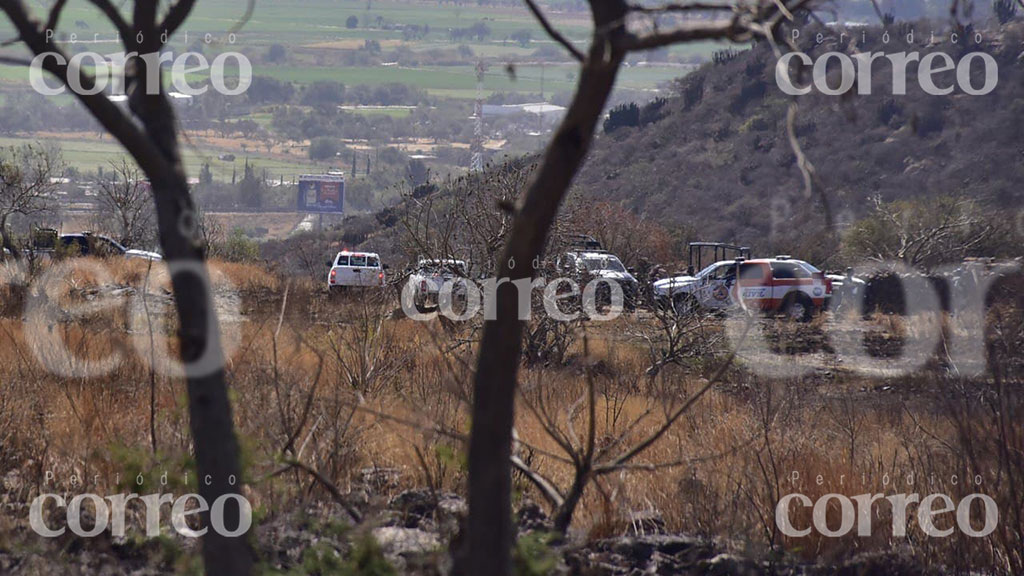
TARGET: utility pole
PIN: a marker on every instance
(477, 147)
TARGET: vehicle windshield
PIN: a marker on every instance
(106, 246)
(809, 267)
(358, 260)
(706, 271)
(442, 267)
(595, 263)
(114, 244)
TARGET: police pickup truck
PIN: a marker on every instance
(779, 285)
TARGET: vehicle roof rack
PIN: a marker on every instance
(584, 242)
(721, 252)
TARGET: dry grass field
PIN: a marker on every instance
(348, 387)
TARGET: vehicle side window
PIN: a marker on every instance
(782, 271)
(358, 260)
(102, 247)
(724, 272)
(342, 260)
(373, 262)
(75, 245)
(751, 272)
(786, 270)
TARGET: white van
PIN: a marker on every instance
(351, 269)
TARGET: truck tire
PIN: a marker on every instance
(798, 306)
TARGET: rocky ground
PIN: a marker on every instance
(412, 534)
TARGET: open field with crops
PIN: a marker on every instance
(389, 59)
(86, 154)
(319, 27)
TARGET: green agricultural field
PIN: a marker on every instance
(298, 22)
(394, 112)
(13, 75)
(430, 78)
(88, 155)
(292, 21)
(460, 81)
(315, 35)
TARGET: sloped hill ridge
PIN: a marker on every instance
(718, 164)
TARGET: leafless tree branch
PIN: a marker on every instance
(552, 31)
(176, 16)
(114, 15)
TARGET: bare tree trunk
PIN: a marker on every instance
(563, 517)
(489, 532)
(8, 243)
(210, 416)
(488, 535)
(154, 146)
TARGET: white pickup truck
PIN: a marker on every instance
(355, 269)
(429, 277)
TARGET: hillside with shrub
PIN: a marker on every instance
(714, 161)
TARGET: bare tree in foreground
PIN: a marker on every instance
(618, 452)
(148, 131)
(125, 201)
(25, 186)
(618, 29)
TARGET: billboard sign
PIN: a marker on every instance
(324, 193)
